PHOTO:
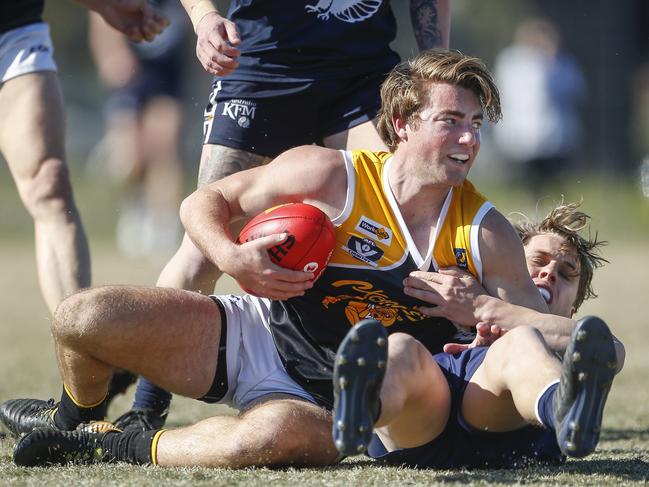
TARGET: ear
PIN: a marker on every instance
(399, 125)
(572, 312)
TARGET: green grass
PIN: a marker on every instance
(27, 366)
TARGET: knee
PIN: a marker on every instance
(521, 336)
(286, 436)
(81, 316)
(48, 190)
(407, 357)
(519, 346)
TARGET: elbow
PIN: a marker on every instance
(620, 355)
(187, 210)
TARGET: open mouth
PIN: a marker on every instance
(459, 158)
(545, 293)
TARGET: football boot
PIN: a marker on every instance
(358, 374)
(46, 446)
(21, 416)
(587, 374)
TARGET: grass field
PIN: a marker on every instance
(27, 361)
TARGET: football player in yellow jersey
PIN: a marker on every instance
(272, 357)
(499, 406)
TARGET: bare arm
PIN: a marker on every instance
(137, 19)
(309, 174)
(431, 23)
(216, 37)
(505, 276)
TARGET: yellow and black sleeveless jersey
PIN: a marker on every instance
(364, 279)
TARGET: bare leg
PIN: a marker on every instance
(161, 125)
(32, 141)
(501, 395)
(277, 432)
(188, 268)
(363, 136)
(169, 336)
(415, 398)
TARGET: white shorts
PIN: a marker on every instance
(25, 50)
(253, 364)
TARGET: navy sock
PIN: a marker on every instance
(544, 411)
(150, 396)
(70, 413)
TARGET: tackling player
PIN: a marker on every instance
(499, 406)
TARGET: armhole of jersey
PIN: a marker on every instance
(474, 237)
(351, 188)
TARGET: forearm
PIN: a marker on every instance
(431, 23)
(555, 329)
(206, 215)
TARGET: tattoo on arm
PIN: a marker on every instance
(425, 23)
(218, 161)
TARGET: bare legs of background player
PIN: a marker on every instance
(143, 157)
(32, 141)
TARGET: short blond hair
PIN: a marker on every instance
(566, 221)
(404, 94)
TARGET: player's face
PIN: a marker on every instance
(554, 267)
(447, 138)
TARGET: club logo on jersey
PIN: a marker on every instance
(374, 230)
(364, 250)
(242, 111)
(364, 301)
(460, 258)
(350, 11)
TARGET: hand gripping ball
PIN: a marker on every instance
(311, 236)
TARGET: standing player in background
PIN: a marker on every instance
(32, 133)
(144, 122)
(287, 73)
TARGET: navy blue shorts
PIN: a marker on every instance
(269, 118)
(461, 446)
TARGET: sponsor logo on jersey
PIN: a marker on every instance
(242, 111)
(460, 258)
(364, 250)
(374, 230)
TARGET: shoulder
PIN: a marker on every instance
(497, 234)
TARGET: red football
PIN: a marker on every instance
(311, 236)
